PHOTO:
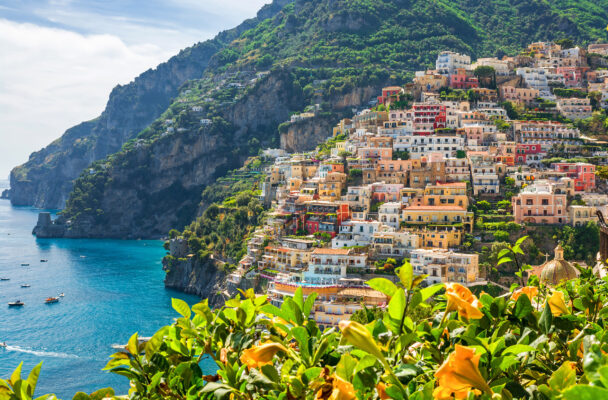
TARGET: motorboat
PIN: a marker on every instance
(44, 260)
(5, 279)
(26, 285)
(51, 300)
(3, 344)
(61, 294)
(17, 303)
(25, 265)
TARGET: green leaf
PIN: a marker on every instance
(504, 260)
(397, 305)
(301, 335)
(81, 396)
(16, 375)
(383, 285)
(503, 253)
(523, 307)
(520, 240)
(310, 301)
(430, 291)
(181, 307)
(406, 275)
(102, 394)
(518, 349)
(132, 345)
(563, 377)
(585, 392)
(298, 297)
(32, 379)
(346, 367)
(546, 319)
(311, 374)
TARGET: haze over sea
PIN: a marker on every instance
(112, 288)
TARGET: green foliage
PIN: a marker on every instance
(401, 155)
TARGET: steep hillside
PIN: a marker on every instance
(45, 180)
(334, 53)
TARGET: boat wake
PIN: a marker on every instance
(40, 353)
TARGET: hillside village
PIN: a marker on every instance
(470, 153)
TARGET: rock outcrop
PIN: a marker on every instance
(206, 279)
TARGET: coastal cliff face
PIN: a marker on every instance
(205, 279)
(144, 191)
(46, 179)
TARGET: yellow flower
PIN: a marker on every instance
(459, 375)
(530, 291)
(339, 390)
(381, 388)
(358, 335)
(258, 356)
(558, 304)
(460, 298)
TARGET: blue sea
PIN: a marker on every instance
(112, 288)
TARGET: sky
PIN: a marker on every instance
(59, 59)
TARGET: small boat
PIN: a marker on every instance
(50, 300)
(17, 303)
(26, 285)
(25, 265)
(61, 294)
(44, 260)
(3, 344)
(5, 279)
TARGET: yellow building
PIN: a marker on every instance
(284, 259)
(446, 194)
(440, 238)
(330, 188)
(438, 215)
(580, 215)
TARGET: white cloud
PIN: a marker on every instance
(51, 79)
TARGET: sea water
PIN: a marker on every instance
(112, 289)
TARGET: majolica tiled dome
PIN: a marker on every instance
(558, 269)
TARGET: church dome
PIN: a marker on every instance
(558, 269)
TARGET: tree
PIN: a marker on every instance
(501, 236)
(566, 43)
(484, 205)
(486, 76)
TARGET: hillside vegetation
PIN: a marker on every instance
(336, 54)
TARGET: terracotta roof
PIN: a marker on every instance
(332, 251)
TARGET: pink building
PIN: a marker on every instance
(386, 191)
(540, 203)
(376, 153)
(529, 154)
(573, 76)
(583, 175)
(463, 79)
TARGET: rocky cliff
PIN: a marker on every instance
(206, 279)
(46, 179)
(156, 185)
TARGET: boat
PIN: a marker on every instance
(25, 265)
(5, 279)
(3, 344)
(61, 294)
(17, 303)
(44, 260)
(26, 285)
(50, 300)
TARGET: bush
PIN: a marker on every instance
(501, 236)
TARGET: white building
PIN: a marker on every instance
(445, 266)
(501, 67)
(328, 266)
(393, 244)
(448, 62)
(536, 78)
(447, 146)
(390, 214)
(355, 233)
